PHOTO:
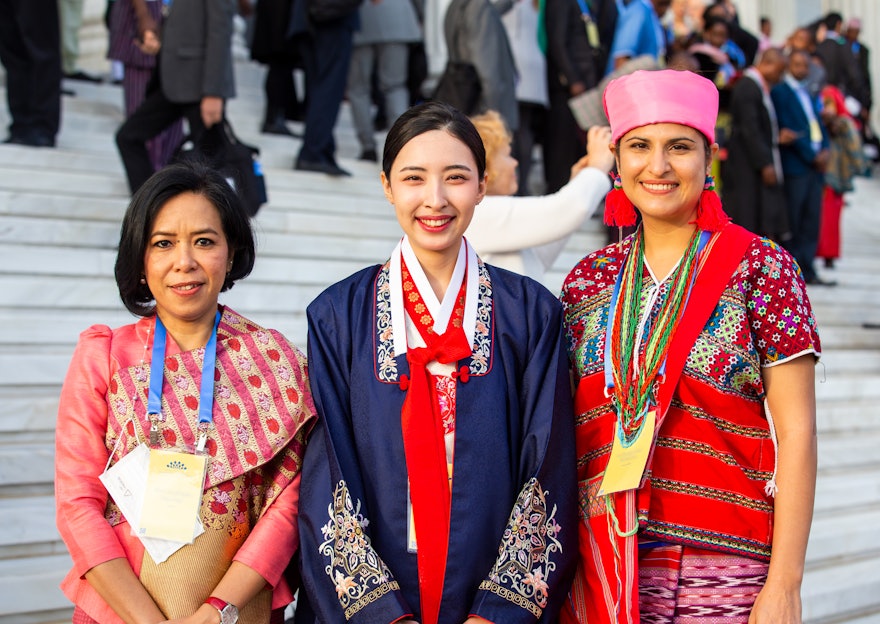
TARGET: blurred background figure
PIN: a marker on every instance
(193, 79)
(474, 34)
(381, 47)
(845, 161)
(273, 47)
(834, 52)
(135, 26)
(862, 55)
(325, 49)
(765, 40)
(30, 53)
(70, 17)
(527, 234)
(752, 173)
(803, 162)
(571, 70)
(638, 32)
(521, 24)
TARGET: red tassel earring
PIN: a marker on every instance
(619, 210)
(710, 213)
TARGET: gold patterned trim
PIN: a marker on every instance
(513, 597)
(373, 596)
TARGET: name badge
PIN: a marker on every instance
(815, 132)
(592, 33)
(627, 463)
(175, 481)
(412, 545)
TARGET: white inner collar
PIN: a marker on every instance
(440, 311)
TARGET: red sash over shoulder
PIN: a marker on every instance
(678, 498)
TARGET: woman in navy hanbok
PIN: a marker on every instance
(439, 485)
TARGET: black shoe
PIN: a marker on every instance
(370, 155)
(31, 140)
(84, 77)
(818, 281)
(331, 169)
(277, 126)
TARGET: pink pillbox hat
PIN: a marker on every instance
(665, 96)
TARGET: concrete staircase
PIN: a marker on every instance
(59, 219)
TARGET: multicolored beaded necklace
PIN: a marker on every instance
(634, 385)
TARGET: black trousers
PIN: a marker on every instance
(564, 143)
(326, 54)
(30, 50)
(154, 115)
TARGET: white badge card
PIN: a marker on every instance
(126, 481)
(173, 495)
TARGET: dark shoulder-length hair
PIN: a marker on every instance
(425, 118)
(164, 185)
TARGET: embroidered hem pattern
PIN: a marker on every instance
(524, 560)
(359, 575)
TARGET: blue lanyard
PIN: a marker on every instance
(609, 328)
(157, 375)
(585, 9)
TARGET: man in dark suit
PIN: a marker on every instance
(30, 50)
(803, 162)
(194, 76)
(572, 68)
(862, 56)
(840, 67)
(752, 173)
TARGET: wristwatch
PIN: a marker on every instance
(228, 612)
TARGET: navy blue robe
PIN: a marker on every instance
(513, 534)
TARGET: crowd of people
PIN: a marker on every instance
(462, 446)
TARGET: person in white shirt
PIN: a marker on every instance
(527, 234)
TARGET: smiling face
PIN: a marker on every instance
(186, 262)
(663, 169)
(434, 186)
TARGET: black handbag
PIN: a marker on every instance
(237, 161)
(459, 86)
(321, 11)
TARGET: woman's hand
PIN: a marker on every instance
(212, 110)
(599, 154)
(149, 43)
(777, 604)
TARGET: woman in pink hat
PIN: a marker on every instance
(695, 411)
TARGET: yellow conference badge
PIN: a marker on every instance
(627, 463)
(175, 482)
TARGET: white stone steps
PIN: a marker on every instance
(849, 586)
(845, 450)
(835, 534)
(30, 584)
(847, 489)
(837, 360)
(848, 417)
(26, 464)
(61, 208)
(28, 409)
(75, 183)
(832, 386)
(29, 520)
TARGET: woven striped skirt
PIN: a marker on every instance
(681, 584)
